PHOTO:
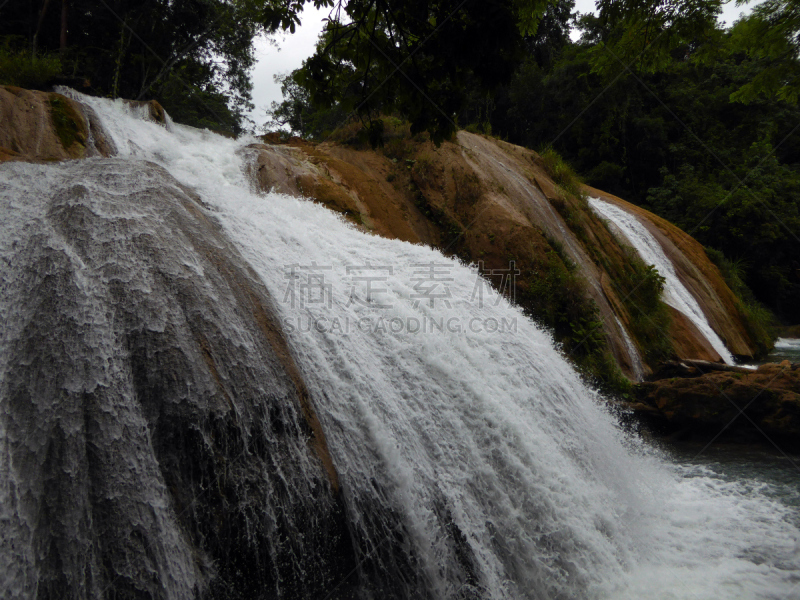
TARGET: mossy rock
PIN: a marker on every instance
(68, 125)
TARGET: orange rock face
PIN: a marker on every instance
(40, 126)
(758, 407)
(486, 200)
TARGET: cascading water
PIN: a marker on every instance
(471, 459)
(675, 293)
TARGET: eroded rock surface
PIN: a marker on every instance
(481, 199)
(760, 406)
(493, 202)
(40, 126)
(158, 439)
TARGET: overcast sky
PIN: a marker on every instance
(292, 49)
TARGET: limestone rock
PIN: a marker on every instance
(159, 434)
(46, 126)
(490, 201)
(761, 406)
(702, 278)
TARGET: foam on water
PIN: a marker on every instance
(675, 293)
(787, 345)
(460, 435)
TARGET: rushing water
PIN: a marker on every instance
(785, 349)
(473, 461)
(675, 293)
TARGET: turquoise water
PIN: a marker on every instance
(772, 472)
(785, 349)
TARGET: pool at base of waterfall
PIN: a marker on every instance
(785, 349)
(763, 566)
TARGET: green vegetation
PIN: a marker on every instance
(556, 296)
(761, 322)
(67, 122)
(561, 172)
(449, 50)
(484, 128)
(20, 68)
(701, 129)
(639, 286)
(193, 56)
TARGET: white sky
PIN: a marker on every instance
(294, 48)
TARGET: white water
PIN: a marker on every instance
(633, 352)
(675, 293)
(490, 434)
(787, 345)
(785, 349)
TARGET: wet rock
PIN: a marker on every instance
(158, 438)
(151, 110)
(40, 126)
(509, 212)
(760, 406)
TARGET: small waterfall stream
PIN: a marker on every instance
(675, 293)
(472, 460)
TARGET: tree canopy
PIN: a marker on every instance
(420, 58)
(192, 55)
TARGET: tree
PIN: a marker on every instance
(770, 38)
(417, 58)
(644, 35)
(192, 55)
(670, 139)
(296, 112)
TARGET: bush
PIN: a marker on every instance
(640, 286)
(484, 128)
(556, 295)
(560, 172)
(760, 322)
(20, 68)
(423, 170)
(397, 148)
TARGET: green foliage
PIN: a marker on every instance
(557, 297)
(193, 56)
(640, 286)
(19, 67)
(769, 39)
(666, 135)
(648, 34)
(561, 172)
(484, 128)
(756, 222)
(419, 60)
(760, 322)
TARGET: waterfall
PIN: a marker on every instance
(633, 352)
(472, 460)
(675, 293)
